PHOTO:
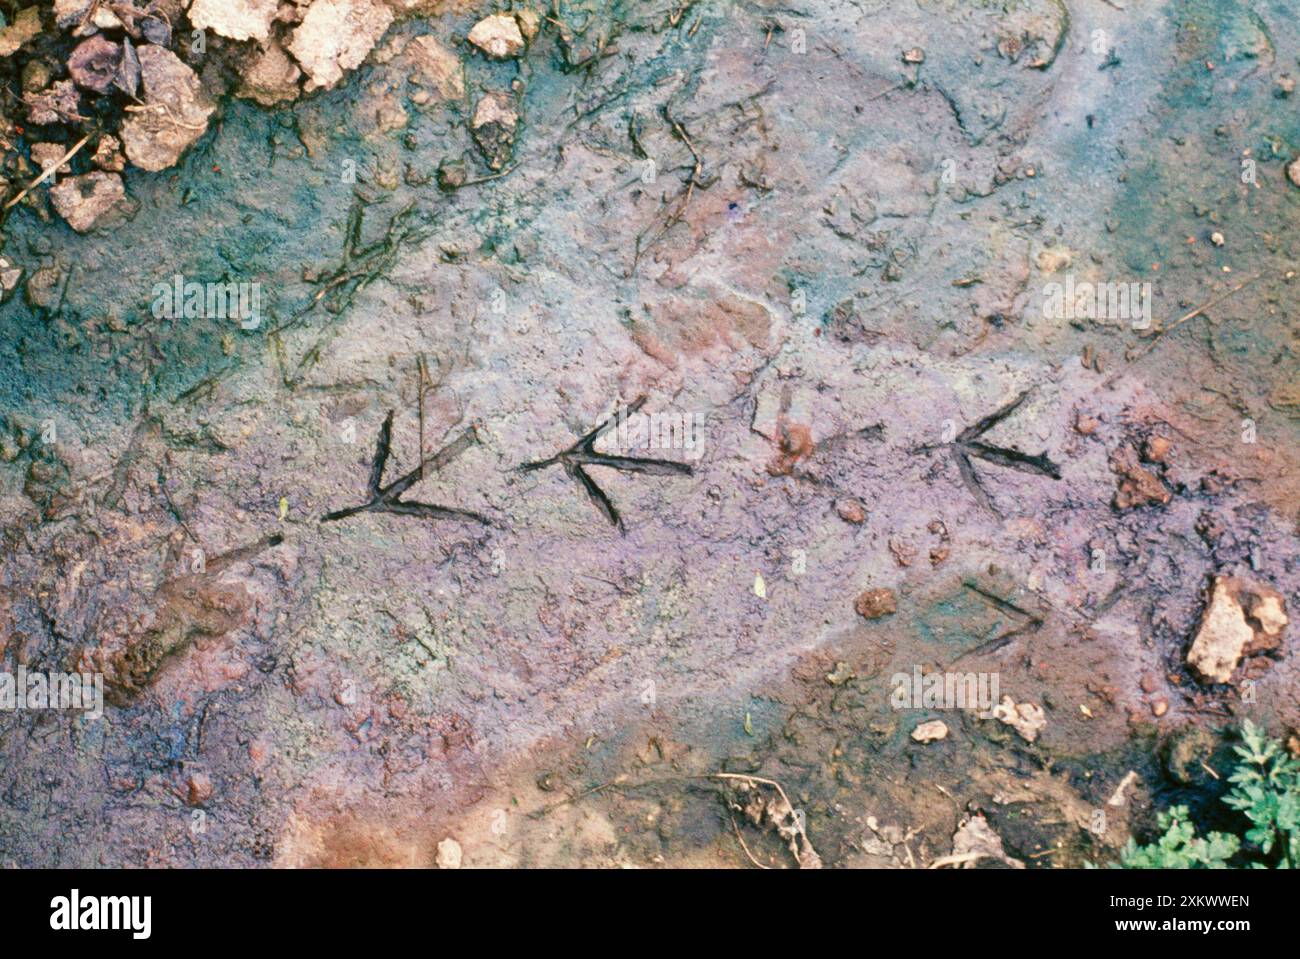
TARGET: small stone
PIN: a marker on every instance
(875, 603)
(1137, 485)
(10, 275)
(93, 64)
(1159, 707)
(174, 114)
(494, 126)
(449, 854)
(1223, 634)
(335, 36)
(498, 36)
(438, 66)
(530, 22)
(914, 55)
(930, 732)
(904, 552)
(1293, 172)
(840, 675)
(70, 13)
(198, 789)
(271, 78)
(57, 104)
(850, 510)
(1267, 609)
(156, 30)
(452, 174)
(1158, 448)
(1217, 238)
(25, 28)
(84, 200)
(108, 154)
(43, 285)
(46, 155)
(236, 19)
(1027, 719)
(1085, 425)
(1148, 683)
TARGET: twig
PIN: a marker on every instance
(742, 843)
(48, 172)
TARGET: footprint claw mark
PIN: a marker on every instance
(583, 453)
(968, 447)
(387, 499)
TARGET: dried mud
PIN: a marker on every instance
(838, 263)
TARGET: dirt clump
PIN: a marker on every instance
(1239, 619)
(875, 603)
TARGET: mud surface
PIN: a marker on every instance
(760, 214)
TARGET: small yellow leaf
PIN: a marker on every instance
(760, 587)
(284, 507)
(749, 726)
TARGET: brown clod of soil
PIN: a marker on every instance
(850, 510)
(1138, 486)
(495, 119)
(875, 603)
(1240, 619)
(174, 114)
(84, 200)
(94, 63)
(795, 444)
(498, 36)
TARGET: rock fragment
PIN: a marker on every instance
(336, 36)
(850, 510)
(46, 155)
(84, 200)
(94, 64)
(493, 127)
(1027, 719)
(449, 854)
(975, 840)
(1138, 486)
(930, 732)
(1293, 172)
(174, 114)
(498, 36)
(10, 276)
(875, 603)
(437, 66)
(57, 103)
(108, 154)
(236, 19)
(198, 789)
(1239, 619)
(26, 27)
(272, 77)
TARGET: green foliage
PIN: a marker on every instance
(1266, 790)
(1179, 848)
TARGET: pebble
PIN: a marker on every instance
(449, 854)
(850, 510)
(930, 732)
(875, 603)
